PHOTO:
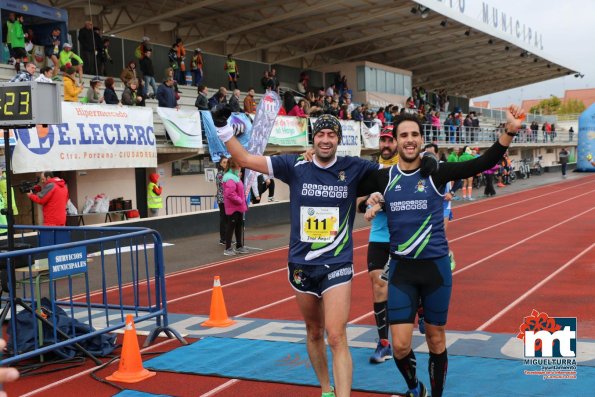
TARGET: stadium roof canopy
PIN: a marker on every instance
(438, 40)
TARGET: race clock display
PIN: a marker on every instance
(29, 103)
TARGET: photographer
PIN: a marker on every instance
(53, 198)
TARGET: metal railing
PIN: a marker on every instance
(182, 204)
(125, 265)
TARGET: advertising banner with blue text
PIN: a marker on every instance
(351, 143)
(90, 137)
(182, 126)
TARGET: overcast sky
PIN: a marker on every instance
(568, 34)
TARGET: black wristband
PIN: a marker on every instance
(512, 134)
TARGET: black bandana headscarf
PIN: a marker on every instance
(330, 122)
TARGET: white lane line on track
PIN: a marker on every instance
(511, 204)
(85, 372)
(518, 217)
(497, 316)
(219, 388)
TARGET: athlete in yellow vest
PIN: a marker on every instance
(154, 190)
(232, 71)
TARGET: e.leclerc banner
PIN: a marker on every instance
(289, 131)
(351, 143)
(182, 126)
(90, 137)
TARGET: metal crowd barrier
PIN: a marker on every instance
(96, 275)
(182, 204)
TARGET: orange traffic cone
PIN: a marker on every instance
(131, 366)
(218, 316)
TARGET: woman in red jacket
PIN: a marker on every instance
(53, 197)
(235, 207)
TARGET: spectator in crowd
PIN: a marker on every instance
(52, 48)
(570, 134)
(146, 68)
(261, 184)
(274, 80)
(305, 107)
(87, 47)
(181, 56)
(129, 72)
(504, 171)
(489, 190)
(564, 161)
(45, 75)
(172, 56)
(333, 109)
(93, 93)
(330, 91)
(534, 128)
(290, 107)
(16, 38)
(435, 125)
(71, 88)
(235, 207)
(68, 59)
(467, 155)
(104, 57)
(468, 124)
(166, 95)
(109, 94)
(202, 103)
(26, 74)
(265, 81)
(357, 114)
(475, 122)
(218, 98)
(234, 101)
(53, 197)
(250, 102)
(221, 167)
(552, 132)
(169, 72)
(154, 192)
(196, 67)
(132, 95)
(8, 33)
(142, 48)
(544, 130)
(233, 73)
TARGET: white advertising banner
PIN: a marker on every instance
(371, 136)
(351, 143)
(182, 126)
(289, 131)
(90, 137)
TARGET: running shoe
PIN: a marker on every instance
(382, 353)
(419, 391)
(471, 199)
(453, 264)
(329, 393)
(229, 252)
(242, 250)
(420, 320)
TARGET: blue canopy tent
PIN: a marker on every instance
(41, 19)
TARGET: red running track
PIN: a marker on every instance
(530, 249)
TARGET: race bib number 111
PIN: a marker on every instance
(319, 224)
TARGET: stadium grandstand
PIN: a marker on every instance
(363, 61)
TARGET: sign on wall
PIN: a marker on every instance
(90, 137)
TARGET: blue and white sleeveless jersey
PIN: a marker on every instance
(415, 216)
(322, 205)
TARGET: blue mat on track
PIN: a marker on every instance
(134, 393)
(286, 362)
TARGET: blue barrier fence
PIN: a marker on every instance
(96, 275)
(182, 204)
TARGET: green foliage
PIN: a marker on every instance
(554, 105)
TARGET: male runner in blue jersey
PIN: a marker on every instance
(379, 254)
(320, 269)
(420, 266)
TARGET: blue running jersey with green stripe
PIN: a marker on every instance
(414, 209)
(322, 205)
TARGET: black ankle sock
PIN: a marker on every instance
(437, 367)
(380, 317)
(407, 366)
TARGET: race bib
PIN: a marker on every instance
(319, 224)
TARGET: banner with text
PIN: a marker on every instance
(371, 136)
(182, 126)
(90, 137)
(290, 131)
(351, 143)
